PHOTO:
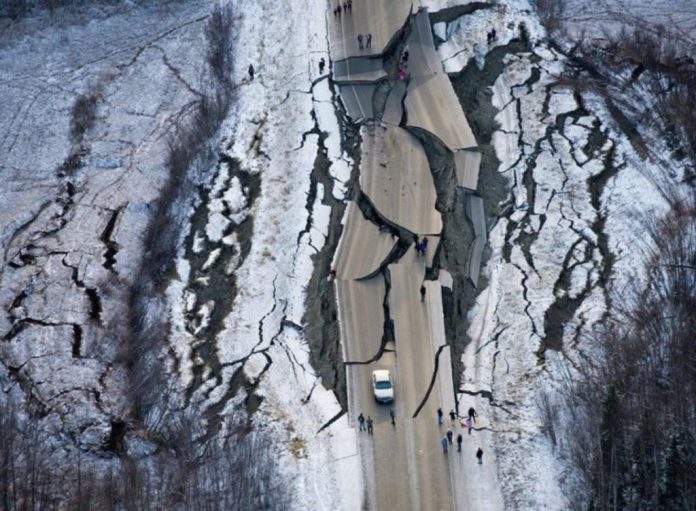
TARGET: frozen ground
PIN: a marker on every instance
(70, 233)
(72, 240)
(571, 234)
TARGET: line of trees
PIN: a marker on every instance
(237, 471)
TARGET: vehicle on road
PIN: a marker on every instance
(382, 386)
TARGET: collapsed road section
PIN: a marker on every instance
(390, 307)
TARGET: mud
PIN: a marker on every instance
(472, 87)
(216, 283)
(320, 320)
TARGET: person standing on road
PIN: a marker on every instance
(422, 293)
(361, 422)
(453, 415)
(393, 416)
(338, 9)
(472, 414)
(443, 442)
(322, 63)
(350, 5)
(460, 439)
(439, 416)
(369, 41)
(467, 423)
(251, 72)
(360, 41)
(449, 436)
(369, 425)
(479, 455)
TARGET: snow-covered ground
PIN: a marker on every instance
(68, 237)
(70, 234)
(269, 135)
(72, 239)
(573, 233)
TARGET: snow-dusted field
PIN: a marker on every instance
(72, 240)
(572, 235)
(70, 235)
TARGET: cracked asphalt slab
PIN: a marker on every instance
(367, 248)
(396, 177)
(382, 19)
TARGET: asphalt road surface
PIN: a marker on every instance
(404, 464)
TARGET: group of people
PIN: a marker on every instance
(367, 41)
(447, 440)
(362, 422)
(403, 64)
(491, 36)
(346, 7)
(367, 424)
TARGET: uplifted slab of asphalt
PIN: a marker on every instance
(432, 105)
(467, 164)
(357, 99)
(477, 216)
(357, 70)
(394, 108)
(381, 18)
(396, 177)
(362, 249)
(361, 317)
(423, 57)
